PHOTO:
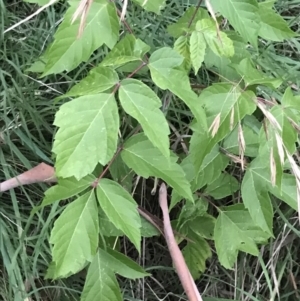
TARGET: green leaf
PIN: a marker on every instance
(202, 225)
(197, 50)
(88, 133)
(218, 42)
(154, 5)
(225, 106)
(75, 229)
(256, 198)
(240, 47)
(148, 230)
(121, 173)
(191, 211)
(189, 170)
(38, 66)
(288, 133)
(39, 2)
(166, 74)
(272, 149)
(146, 160)
(184, 24)
(139, 101)
(214, 163)
(121, 209)
(231, 142)
(122, 265)
(129, 49)
(195, 254)
(182, 46)
(68, 51)
(66, 188)
(223, 186)
(252, 76)
(288, 191)
(273, 27)
(101, 283)
(98, 80)
(289, 100)
(234, 232)
(106, 227)
(242, 15)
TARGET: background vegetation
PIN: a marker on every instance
(27, 110)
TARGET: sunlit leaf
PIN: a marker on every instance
(98, 80)
(121, 209)
(182, 46)
(67, 51)
(87, 135)
(139, 101)
(197, 50)
(75, 229)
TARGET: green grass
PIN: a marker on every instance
(27, 112)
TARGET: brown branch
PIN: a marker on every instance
(176, 255)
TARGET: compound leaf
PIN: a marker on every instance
(68, 51)
(139, 101)
(121, 209)
(87, 135)
(146, 160)
(75, 229)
